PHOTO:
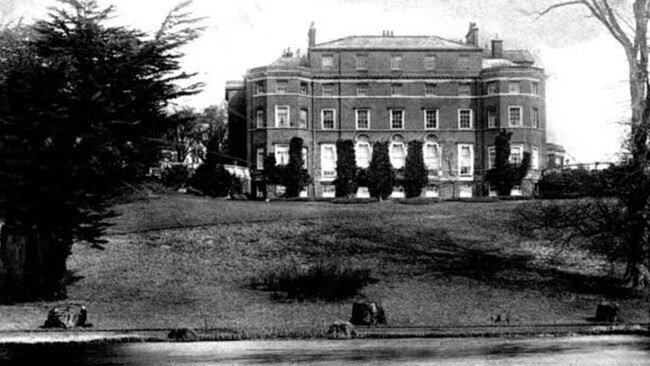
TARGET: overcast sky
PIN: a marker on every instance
(587, 95)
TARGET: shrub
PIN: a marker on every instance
(176, 176)
(418, 201)
(323, 281)
(380, 173)
(576, 183)
(346, 169)
(353, 200)
(213, 181)
(416, 175)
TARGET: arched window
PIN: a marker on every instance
(363, 151)
(431, 154)
(397, 151)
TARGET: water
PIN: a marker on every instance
(600, 350)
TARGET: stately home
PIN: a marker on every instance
(453, 96)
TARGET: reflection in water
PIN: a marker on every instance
(604, 350)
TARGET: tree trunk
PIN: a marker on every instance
(32, 263)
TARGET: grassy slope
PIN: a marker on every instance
(443, 264)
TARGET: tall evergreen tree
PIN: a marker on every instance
(346, 169)
(505, 175)
(416, 175)
(380, 173)
(82, 110)
(294, 175)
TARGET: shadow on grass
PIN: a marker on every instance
(416, 250)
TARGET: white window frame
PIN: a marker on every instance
(464, 89)
(430, 62)
(328, 90)
(436, 114)
(512, 89)
(397, 164)
(280, 148)
(471, 118)
(259, 118)
(534, 88)
(357, 148)
(470, 174)
(492, 157)
(424, 156)
(510, 115)
(322, 118)
(534, 119)
(305, 156)
(283, 83)
(463, 62)
(362, 62)
(259, 158)
(327, 65)
(305, 123)
(327, 174)
(361, 87)
(492, 117)
(356, 115)
(259, 87)
(492, 88)
(429, 89)
(534, 158)
(396, 62)
(277, 120)
(520, 154)
(390, 112)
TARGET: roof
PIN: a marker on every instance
(289, 61)
(393, 42)
(234, 84)
(516, 56)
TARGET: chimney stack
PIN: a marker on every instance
(497, 48)
(472, 35)
(312, 35)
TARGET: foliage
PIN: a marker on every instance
(505, 175)
(346, 169)
(212, 180)
(82, 111)
(271, 170)
(416, 175)
(194, 134)
(380, 173)
(176, 176)
(578, 183)
(353, 200)
(323, 281)
(627, 23)
(294, 175)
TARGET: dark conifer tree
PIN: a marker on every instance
(380, 173)
(82, 111)
(505, 175)
(294, 175)
(416, 175)
(346, 169)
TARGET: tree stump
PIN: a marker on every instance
(367, 313)
(67, 316)
(341, 329)
(183, 335)
(608, 312)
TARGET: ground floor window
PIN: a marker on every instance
(465, 191)
(329, 191)
(432, 191)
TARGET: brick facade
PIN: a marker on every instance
(317, 98)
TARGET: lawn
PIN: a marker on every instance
(178, 260)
